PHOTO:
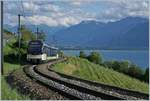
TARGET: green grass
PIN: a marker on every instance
(84, 69)
(7, 92)
(8, 67)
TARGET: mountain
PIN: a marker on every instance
(49, 31)
(127, 33)
(136, 37)
(10, 28)
(45, 28)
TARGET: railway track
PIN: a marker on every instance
(73, 88)
(125, 93)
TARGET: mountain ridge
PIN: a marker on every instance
(96, 34)
(99, 35)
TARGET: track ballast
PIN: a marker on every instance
(70, 88)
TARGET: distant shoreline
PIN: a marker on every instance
(107, 49)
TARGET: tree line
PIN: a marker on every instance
(125, 67)
(26, 36)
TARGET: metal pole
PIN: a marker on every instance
(2, 70)
(37, 33)
(19, 36)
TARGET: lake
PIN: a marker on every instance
(139, 57)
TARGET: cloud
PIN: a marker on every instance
(11, 19)
(30, 6)
(79, 2)
(67, 21)
(50, 7)
(36, 20)
(118, 9)
(51, 15)
(70, 12)
(50, 21)
(76, 3)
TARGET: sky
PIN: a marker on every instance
(69, 12)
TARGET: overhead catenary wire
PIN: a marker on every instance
(27, 13)
(30, 14)
(22, 8)
(21, 13)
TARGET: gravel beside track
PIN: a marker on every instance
(43, 70)
(69, 92)
(41, 82)
(29, 87)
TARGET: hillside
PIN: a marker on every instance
(10, 64)
(95, 34)
(84, 69)
(7, 34)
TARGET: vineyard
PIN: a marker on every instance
(84, 69)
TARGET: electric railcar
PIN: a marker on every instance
(38, 51)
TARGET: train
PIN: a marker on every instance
(38, 51)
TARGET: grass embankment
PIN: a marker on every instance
(84, 69)
(8, 93)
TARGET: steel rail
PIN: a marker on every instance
(119, 90)
(80, 88)
(97, 95)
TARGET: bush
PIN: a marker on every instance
(146, 75)
(95, 57)
(121, 66)
(82, 54)
(127, 68)
(116, 66)
(61, 54)
(135, 71)
(108, 64)
(11, 52)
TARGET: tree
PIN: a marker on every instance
(135, 71)
(121, 66)
(116, 65)
(61, 54)
(146, 75)
(82, 54)
(41, 35)
(124, 67)
(95, 57)
(26, 34)
(108, 64)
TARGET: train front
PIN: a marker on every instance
(34, 51)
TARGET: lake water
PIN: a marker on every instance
(139, 57)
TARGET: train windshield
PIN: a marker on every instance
(35, 47)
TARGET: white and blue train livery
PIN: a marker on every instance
(38, 51)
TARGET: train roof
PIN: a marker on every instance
(35, 41)
(44, 44)
(50, 46)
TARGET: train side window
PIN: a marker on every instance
(44, 50)
(49, 51)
